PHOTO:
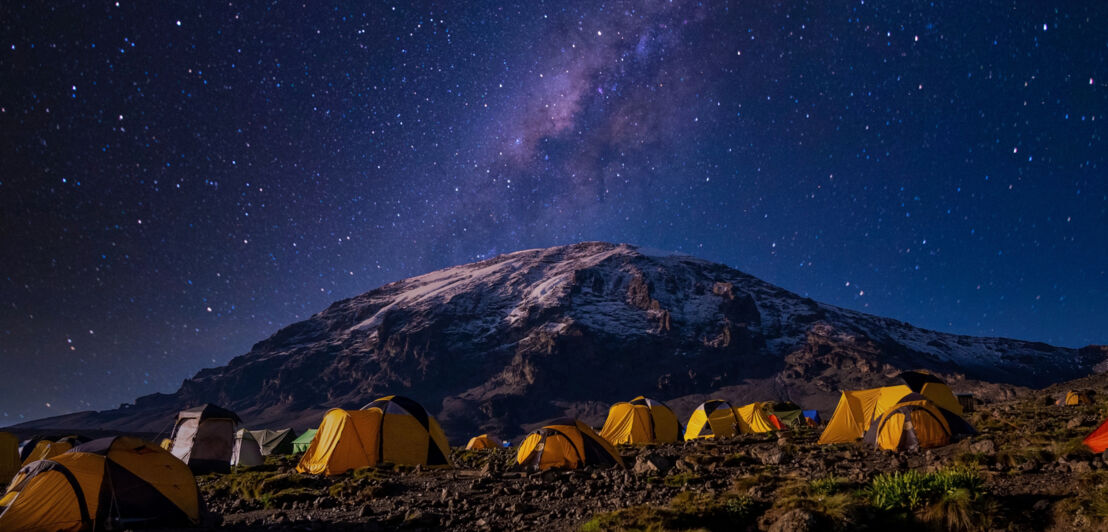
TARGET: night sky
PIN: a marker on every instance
(178, 180)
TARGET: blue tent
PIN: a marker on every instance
(812, 415)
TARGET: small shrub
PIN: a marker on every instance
(822, 487)
(960, 510)
(911, 490)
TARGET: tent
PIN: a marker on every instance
(303, 441)
(483, 441)
(204, 437)
(788, 414)
(274, 441)
(565, 443)
(640, 420)
(1097, 440)
(933, 388)
(108, 483)
(246, 451)
(713, 418)
(916, 422)
(857, 410)
(47, 449)
(1075, 398)
(753, 419)
(812, 416)
(9, 457)
(391, 429)
(166, 444)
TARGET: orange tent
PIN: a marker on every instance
(1098, 440)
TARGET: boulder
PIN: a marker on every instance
(795, 521)
(651, 464)
(984, 447)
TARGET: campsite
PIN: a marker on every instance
(1032, 463)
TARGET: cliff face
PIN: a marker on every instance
(504, 343)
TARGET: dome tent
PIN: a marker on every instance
(857, 409)
(1074, 397)
(565, 443)
(640, 420)
(713, 418)
(109, 483)
(483, 441)
(203, 437)
(916, 422)
(391, 429)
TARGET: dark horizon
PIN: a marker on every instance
(181, 180)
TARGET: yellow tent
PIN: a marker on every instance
(167, 444)
(1075, 398)
(641, 420)
(483, 441)
(46, 449)
(713, 418)
(391, 429)
(857, 410)
(9, 457)
(103, 484)
(916, 422)
(566, 444)
(753, 418)
(933, 388)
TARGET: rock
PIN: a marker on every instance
(651, 464)
(365, 511)
(795, 521)
(983, 447)
(420, 518)
(1074, 423)
(772, 455)
(1080, 466)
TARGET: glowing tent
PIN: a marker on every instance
(391, 429)
(565, 444)
(640, 420)
(105, 484)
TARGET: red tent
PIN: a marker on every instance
(1098, 440)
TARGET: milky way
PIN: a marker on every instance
(181, 179)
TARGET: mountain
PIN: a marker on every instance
(502, 344)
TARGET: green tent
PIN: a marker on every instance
(275, 441)
(302, 442)
(789, 414)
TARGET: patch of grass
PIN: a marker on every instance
(960, 510)
(826, 486)
(737, 459)
(912, 490)
(638, 518)
(688, 510)
(743, 484)
(1091, 503)
(680, 480)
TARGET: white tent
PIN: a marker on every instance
(203, 438)
(246, 452)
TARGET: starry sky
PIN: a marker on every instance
(178, 180)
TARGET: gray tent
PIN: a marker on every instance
(275, 441)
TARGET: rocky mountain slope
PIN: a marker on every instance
(502, 344)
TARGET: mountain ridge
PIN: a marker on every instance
(505, 343)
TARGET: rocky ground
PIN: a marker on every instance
(1026, 470)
